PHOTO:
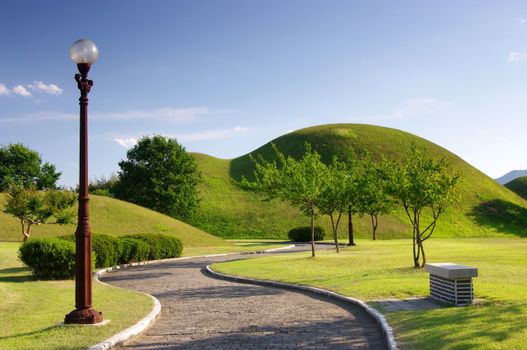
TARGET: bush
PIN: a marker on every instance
(303, 234)
(133, 250)
(108, 250)
(49, 258)
(161, 246)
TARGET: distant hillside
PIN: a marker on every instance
(511, 175)
(486, 209)
(519, 186)
(114, 217)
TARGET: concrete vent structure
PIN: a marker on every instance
(451, 283)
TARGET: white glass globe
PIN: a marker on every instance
(84, 51)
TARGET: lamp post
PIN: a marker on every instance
(84, 53)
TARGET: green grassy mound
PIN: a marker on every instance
(486, 208)
(116, 218)
(518, 186)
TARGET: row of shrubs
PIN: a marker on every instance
(54, 258)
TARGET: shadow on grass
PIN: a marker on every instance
(16, 278)
(502, 215)
(35, 332)
(460, 328)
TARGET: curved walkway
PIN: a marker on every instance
(200, 312)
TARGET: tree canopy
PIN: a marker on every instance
(34, 207)
(159, 174)
(21, 166)
(422, 185)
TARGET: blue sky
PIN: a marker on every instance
(224, 77)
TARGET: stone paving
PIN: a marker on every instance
(200, 312)
(410, 304)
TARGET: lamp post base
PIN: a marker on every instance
(83, 316)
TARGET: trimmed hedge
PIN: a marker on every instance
(133, 250)
(161, 246)
(303, 234)
(54, 258)
(49, 258)
(109, 250)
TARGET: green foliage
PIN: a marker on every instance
(102, 186)
(20, 166)
(161, 246)
(420, 182)
(38, 207)
(133, 250)
(299, 182)
(108, 250)
(159, 174)
(519, 186)
(49, 258)
(303, 234)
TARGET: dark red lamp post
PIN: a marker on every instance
(84, 53)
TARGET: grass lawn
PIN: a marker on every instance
(30, 310)
(381, 269)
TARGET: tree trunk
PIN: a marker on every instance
(312, 231)
(374, 225)
(25, 235)
(350, 227)
(416, 240)
(423, 260)
(334, 227)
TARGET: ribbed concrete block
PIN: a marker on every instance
(451, 283)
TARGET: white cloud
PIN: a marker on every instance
(515, 56)
(414, 107)
(177, 115)
(20, 90)
(126, 143)
(213, 134)
(41, 87)
(4, 90)
(129, 142)
(40, 116)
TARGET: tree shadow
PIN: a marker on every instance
(310, 334)
(501, 215)
(470, 327)
(16, 278)
(219, 292)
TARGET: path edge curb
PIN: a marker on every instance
(376, 315)
(141, 326)
(130, 332)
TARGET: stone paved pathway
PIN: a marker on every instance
(200, 312)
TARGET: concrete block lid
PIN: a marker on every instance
(451, 271)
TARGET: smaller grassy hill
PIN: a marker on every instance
(115, 218)
(518, 186)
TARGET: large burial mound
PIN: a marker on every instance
(486, 207)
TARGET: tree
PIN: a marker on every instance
(373, 194)
(34, 207)
(352, 193)
(299, 182)
(334, 199)
(20, 166)
(103, 186)
(159, 174)
(421, 184)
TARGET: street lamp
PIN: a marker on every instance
(84, 53)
